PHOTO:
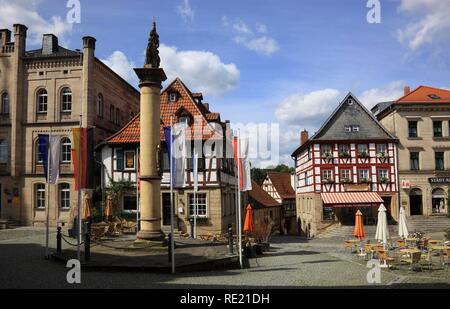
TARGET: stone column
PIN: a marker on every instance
(151, 77)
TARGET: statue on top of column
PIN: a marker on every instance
(152, 54)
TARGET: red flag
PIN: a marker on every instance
(83, 157)
(235, 149)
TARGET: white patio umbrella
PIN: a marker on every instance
(382, 233)
(402, 225)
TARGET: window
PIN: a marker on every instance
(5, 103)
(346, 175)
(327, 175)
(363, 149)
(3, 151)
(184, 120)
(326, 149)
(412, 129)
(42, 100)
(364, 175)
(64, 195)
(348, 129)
(166, 161)
(100, 106)
(437, 128)
(309, 153)
(66, 100)
(383, 175)
(439, 161)
(119, 160)
(118, 120)
(40, 196)
(414, 161)
(344, 151)
(381, 149)
(173, 97)
(306, 179)
(355, 128)
(39, 154)
(129, 203)
(129, 160)
(201, 205)
(66, 150)
(111, 113)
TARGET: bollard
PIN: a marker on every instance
(170, 247)
(87, 243)
(58, 240)
(230, 240)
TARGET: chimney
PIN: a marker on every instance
(206, 105)
(406, 90)
(304, 136)
(49, 44)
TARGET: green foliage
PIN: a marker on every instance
(115, 189)
(447, 234)
(258, 174)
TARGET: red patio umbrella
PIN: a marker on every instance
(359, 228)
(108, 208)
(87, 207)
(248, 224)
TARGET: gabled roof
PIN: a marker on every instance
(426, 94)
(355, 114)
(261, 198)
(282, 183)
(61, 52)
(130, 133)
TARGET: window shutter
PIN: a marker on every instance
(119, 160)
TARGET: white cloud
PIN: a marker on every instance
(120, 64)
(387, 93)
(25, 12)
(307, 109)
(254, 39)
(200, 70)
(431, 22)
(185, 11)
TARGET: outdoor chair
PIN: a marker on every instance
(413, 259)
(384, 258)
(349, 245)
(401, 243)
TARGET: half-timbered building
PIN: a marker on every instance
(217, 192)
(350, 163)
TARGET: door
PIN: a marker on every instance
(166, 208)
(415, 202)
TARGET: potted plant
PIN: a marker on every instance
(363, 154)
(327, 155)
(381, 155)
(365, 180)
(384, 180)
(328, 180)
(347, 180)
(263, 232)
(344, 154)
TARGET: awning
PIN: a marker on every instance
(351, 199)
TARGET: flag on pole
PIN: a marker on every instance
(176, 140)
(245, 179)
(83, 157)
(50, 147)
(195, 170)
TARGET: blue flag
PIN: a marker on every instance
(169, 142)
(43, 145)
(176, 148)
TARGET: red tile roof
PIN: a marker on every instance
(262, 197)
(282, 183)
(200, 128)
(425, 94)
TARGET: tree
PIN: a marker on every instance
(259, 174)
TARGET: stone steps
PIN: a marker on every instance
(347, 231)
(428, 224)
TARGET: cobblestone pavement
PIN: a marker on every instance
(293, 263)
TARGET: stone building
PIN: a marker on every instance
(421, 121)
(350, 163)
(51, 88)
(216, 199)
(266, 209)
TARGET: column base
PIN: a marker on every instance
(148, 235)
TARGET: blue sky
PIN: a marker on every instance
(286, 61)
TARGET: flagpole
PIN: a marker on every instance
(239, 199)
(137, 190)
(195, 174)
(79, 194)
(47, 231)
(172, 242)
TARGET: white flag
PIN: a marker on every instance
(195, 170)
(54, 154)
(179, 147)
(246, 166)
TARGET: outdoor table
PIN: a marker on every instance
(434, 242)
(409, 251)
(441, 249)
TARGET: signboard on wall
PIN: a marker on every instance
(439, 180)
(406, 184)
(356, 188)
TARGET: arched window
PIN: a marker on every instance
(39, 155)
(42, 100)
(64, 196)
(66, 100)
(100, 105)
(5, 103)
(3, 151)
(66, 150)
(39, 193)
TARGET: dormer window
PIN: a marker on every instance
(172, 97)
(350, 129)
(355, 128)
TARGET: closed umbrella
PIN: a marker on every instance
(382, 233)
(248, 223)
(108, 208)
(359, 228)
(87, 207)
(402, 225)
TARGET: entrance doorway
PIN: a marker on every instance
(438, 201)
(166, 208)
(415, 202)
